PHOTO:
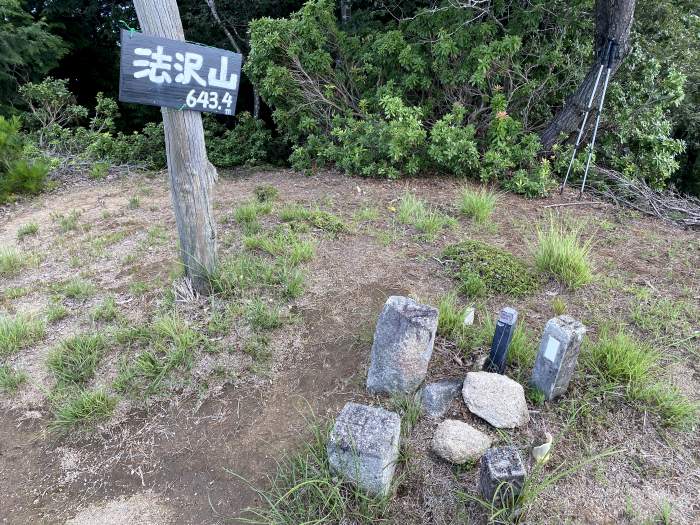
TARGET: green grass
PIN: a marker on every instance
(138, 288)
(258, 347)
(15, 292)
(261, 316)
(19, 332)
(412, 210)
(366, 214)
(12, 261)
(247, 215)
(409, 408)
(134, 203)
(305, 490)
(84, 408)
(55, 312)
(26, 230)
(240, 273)
(499, 271)
(11, 379)
(478, 205)
(76, 288)
(319, 219)
(622, 363)
(266, 193)
(99, 171)
(67, 223)
(562, 253)
(106, 311)
(558, 306)
(282, 243)
(75, 360)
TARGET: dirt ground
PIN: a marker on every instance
(191, 458)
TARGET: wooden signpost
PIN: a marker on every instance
(173, 74)
(159, 68)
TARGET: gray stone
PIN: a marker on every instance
(502, 474)
(403, 344)
(458, 442)
(363, 446)
(557, 356)
(437, 397)
(495, 398)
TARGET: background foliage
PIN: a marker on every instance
(404, 88)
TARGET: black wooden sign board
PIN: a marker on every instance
(173, 74)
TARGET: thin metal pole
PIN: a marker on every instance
(611, 57)
(585, 116)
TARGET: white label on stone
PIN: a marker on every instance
(552, 348)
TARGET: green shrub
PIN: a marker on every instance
(17, 175)
(498, 270)
(452, 144)
(248, 143)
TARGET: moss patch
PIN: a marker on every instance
(498, 270)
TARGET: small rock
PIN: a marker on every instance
(363, 446)
(458, 442)
(495, 398)
(501, 475)
(437, 397)
(403, 345)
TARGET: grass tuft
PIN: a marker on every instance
(18, 332)
(620, 362)
(317, 218)
(106, 311)
(31, 228)
(261, 316)
(85, 408)
(561, 252)
(478, 205)
(75, 360)
(76, 288)
(266, 193)
(11, 379)
(429, 221)
(12, 261)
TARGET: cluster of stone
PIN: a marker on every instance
(364, 444)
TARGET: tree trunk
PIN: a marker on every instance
(256, 103)
(613, 19)
(345, 12)
(192, 176)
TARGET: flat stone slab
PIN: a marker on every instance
(403, 345)
(557, 356)
(495, 398)
(363, 446)
(501, 474)
(458, 442)
(436, 397)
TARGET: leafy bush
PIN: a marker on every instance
(17, 175)
(249, 142)
(455, 90)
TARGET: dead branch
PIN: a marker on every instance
(668, 205)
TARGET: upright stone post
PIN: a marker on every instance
(501, 475)
(505, 328)
(557, 356)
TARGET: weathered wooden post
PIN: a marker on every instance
(192, 176)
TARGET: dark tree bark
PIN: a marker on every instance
(237, 48)
(345, 12)
(613, 19)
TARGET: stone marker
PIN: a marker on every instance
(505, 328)
(469, 315)
(436, 397)
(458, 442)
(502, 474)
(556, 359)
(403, 344)
(363, 446)
(496, 398)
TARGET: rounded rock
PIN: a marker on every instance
(458, 442)
(495, 398)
